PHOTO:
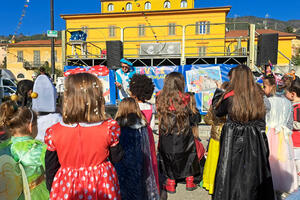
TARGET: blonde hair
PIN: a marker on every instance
(129, 106)
(83, 99)
(15, 119)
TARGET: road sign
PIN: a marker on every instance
(52, 33)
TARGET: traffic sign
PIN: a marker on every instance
(52, 33)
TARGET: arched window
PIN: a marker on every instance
(110, 7)
(147, 5)
(20, 75)
(167, 4)
(183, 4)
(128, 6)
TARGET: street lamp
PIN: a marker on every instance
(52, 41)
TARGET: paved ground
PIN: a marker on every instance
(199, 193)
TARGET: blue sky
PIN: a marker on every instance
(37, 18)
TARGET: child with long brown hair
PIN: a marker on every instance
(78, 161)
(21, 125)
(176, 146)
(135, 171)
(243, 170)
(279, 122)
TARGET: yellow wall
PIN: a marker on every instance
(132, 46)
(120, 6)
(45, 55)
(284, 46)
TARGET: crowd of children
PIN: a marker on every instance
(82, 153)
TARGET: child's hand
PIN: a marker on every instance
(119, 86)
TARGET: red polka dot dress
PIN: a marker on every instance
(83, 150)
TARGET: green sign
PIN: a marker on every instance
(52, 33)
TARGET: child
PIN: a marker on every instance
(213, 147)
(243, 170)
(135, 171)
(293, 94)
(141, 88)
(77, 157)
(279, 121)
(21, 123)
(45, 105)
(176, 146)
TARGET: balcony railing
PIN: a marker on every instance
(32, 65)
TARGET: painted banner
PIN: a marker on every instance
(157, 74)
(106, 76)
(203, 79)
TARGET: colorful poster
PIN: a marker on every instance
(203, 79)
(106, 76)
(157, 74)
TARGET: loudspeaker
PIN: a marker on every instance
(267, 49)
(114, 50)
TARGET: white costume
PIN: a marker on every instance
(45, 105)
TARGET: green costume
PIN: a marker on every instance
(30, 154)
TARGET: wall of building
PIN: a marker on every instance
(284, 46)
(120, 6)
(45, 55)
(214, 40)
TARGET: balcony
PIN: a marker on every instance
(32, 65)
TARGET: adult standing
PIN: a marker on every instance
(123, 77)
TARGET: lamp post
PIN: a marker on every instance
(52, 41)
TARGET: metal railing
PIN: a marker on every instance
(194, 39)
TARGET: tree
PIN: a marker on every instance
(289, 29)
(296, 59)
(47, 67)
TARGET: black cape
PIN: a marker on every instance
(177, 151)
(243, 170)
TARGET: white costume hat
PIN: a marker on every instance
(46, 100)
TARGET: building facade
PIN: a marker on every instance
(23, 58)
(171, 29)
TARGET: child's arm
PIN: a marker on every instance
(52, 166)
(296, 123)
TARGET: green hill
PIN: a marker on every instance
(291, 26)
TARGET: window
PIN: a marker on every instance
(167, 4)
(183, 4)
(141, 30)
(128, 6)
(112, 31)
(202, 27)
(20, 56)
(8, 82)
(147, 5)
(110, 7)
(202, 51)
(172, 28)
(20, 75)
(36, 58)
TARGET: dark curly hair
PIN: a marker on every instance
(141, 87)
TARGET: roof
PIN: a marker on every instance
(244, 33)
(153, 12)
(36, 43)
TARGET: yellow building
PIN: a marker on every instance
(109, 6)
(236, 43)
(163, 28)
(26, 56)
(159, 30)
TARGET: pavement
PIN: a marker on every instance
(199, 193)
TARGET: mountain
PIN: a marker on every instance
(291, 26)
